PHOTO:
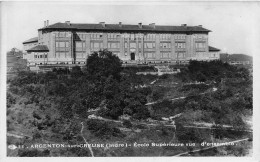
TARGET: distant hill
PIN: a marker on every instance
(235, 57)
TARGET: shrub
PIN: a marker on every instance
(127, 124)
(102, 129)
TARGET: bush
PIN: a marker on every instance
(127, 124)
(102, 129)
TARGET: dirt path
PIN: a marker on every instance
(89, 147)
(18, 136)
(178, 98)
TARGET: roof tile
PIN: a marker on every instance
(42, 48)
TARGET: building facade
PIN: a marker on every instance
(69, 43)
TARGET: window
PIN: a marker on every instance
(113, 35)
(79, 54)
(200, 46)
(149, 45)
(132, 45)
(113, 44)
(80, 45)
(180, 45)
(140, 45)
(132, 36)
(62, 34)
(165, 55)
(165, 45)
(200, 36)
(61, 54)
(149, 37)
(126, 44)
(96, 45)
(165, 36)
(62, 46)
(96, 36)
(150, 55)
(180, 36)
(181, 55)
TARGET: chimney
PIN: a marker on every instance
(44, 23)
(103, 24)
(120, 24)
(140, 25)
(200, 25)
(47, 23)
(152, 25)
(183, 24)
(67, 22)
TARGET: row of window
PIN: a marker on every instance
(62, 44)
(180, 45)
(81, 45)
(113, 45)
(126, 35)
(164, 54)
(179, 36)
(40, 56)
(200, 36)
(62, 34)
(96, 36)
(165, 36)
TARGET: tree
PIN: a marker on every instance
(103, 63)
(76, 72)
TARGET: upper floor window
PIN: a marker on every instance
(62, 34)
(180, 36)
(165, 36)
(201, 46)
(62, 46)
(149, 37)
(113, 44)
(80, 36)
(80, 46)
(180, 55)
(96, 36)
(96, 45)
(149, 45)
(200, 36)
(165, 45)
(180, 45)
(113, 35)
(132, 45)
(165, 55)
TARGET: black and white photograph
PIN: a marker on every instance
(128, 79)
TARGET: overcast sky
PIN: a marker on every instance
(234, 25)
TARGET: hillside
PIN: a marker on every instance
(134, 115)
(236, 57)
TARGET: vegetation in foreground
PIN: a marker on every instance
(49, 107)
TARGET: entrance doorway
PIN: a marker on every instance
(132, 56)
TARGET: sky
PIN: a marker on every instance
(234, 25)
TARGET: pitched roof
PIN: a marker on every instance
(213, 49)
(35, 39)
(126, 27)
(39, 48)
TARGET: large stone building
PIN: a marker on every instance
(69, 43)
